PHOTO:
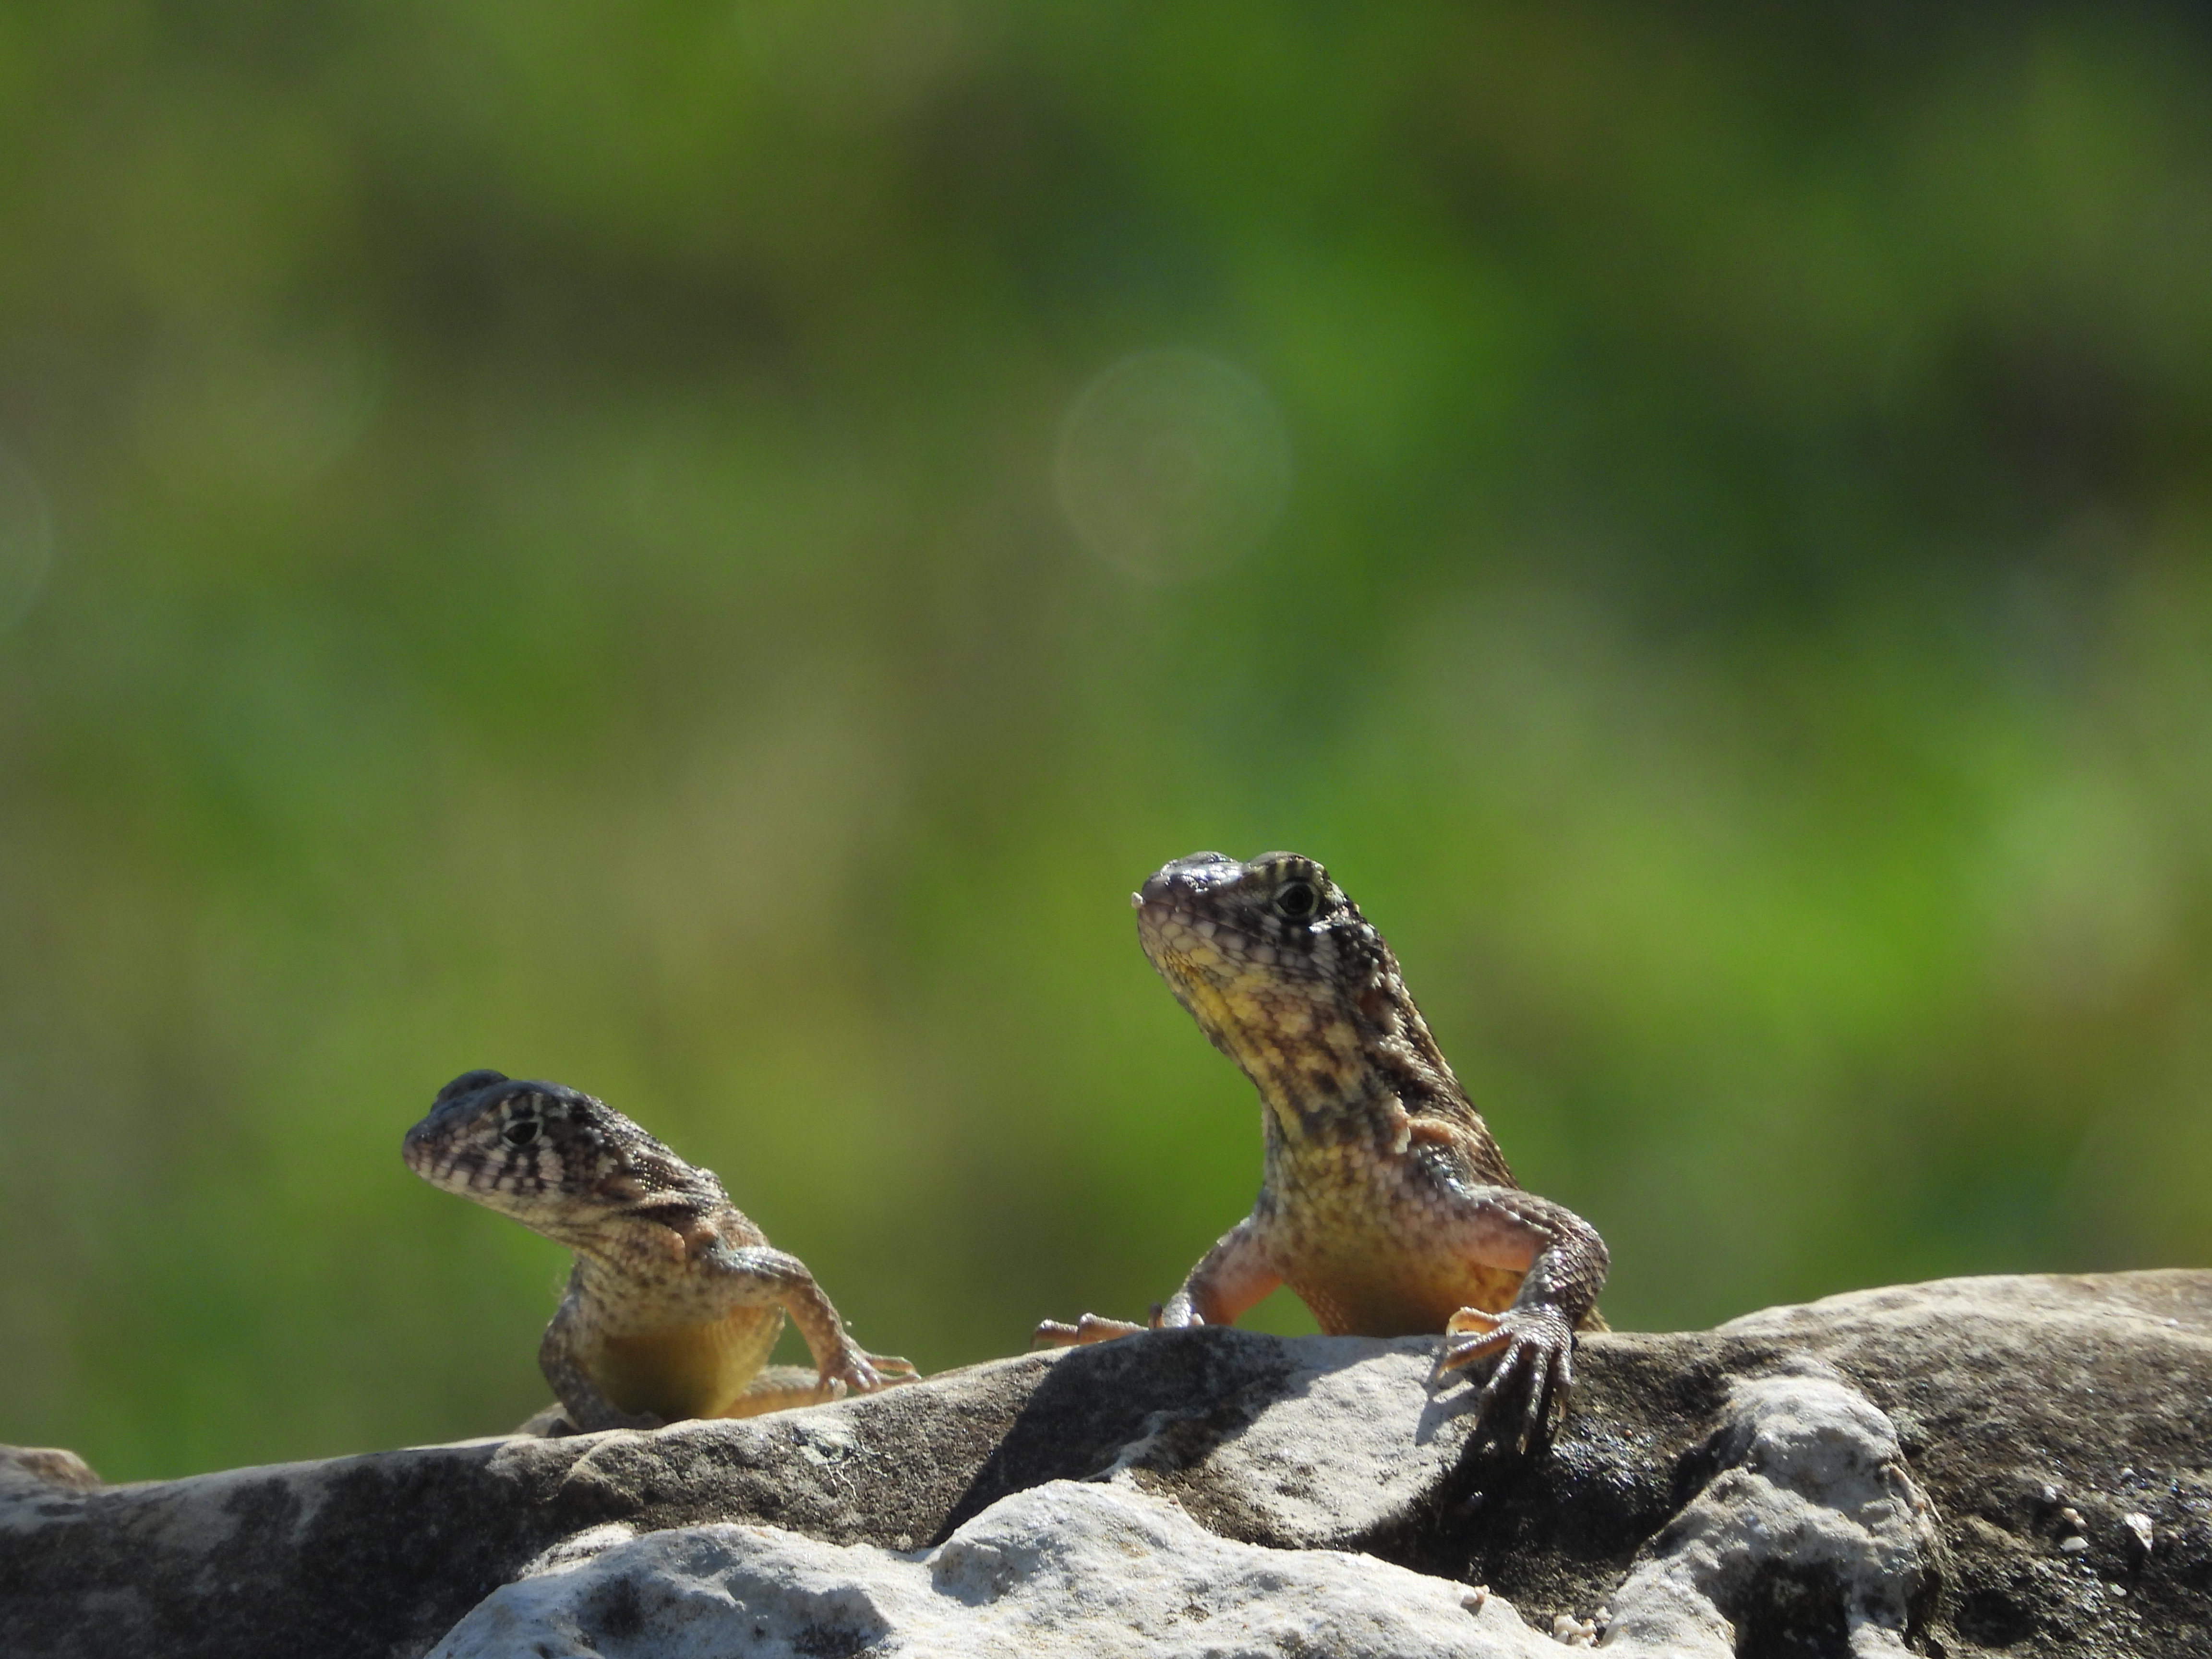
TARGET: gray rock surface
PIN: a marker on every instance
(2014, 1466)
(1810, 1481)
(1064, 1568)
(1811, 1484)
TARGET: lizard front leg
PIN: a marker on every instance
(586, 1404)
(1531, 1344)
(1228, 1279)
(757, 1275)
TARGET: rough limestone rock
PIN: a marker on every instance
(1065, 1567)
(1997, 1466)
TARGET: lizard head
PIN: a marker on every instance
(554, 1158)
(1286, 977)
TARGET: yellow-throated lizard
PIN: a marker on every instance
(675, 1298)
(1384, 1203)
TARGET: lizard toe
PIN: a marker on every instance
(890, 1369)
(866, 1373)
(1091, 1327)
(1470, 1335)
(1529, 1378)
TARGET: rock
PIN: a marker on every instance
(1246, 1433)
(1810, 1483)
(1065, 1567)
(381, 1554)
(1886, 1472)
(1810, 1487)
(2096, 1388)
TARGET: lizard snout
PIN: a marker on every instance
(1175, 885)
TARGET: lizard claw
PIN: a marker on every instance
(1533, 1368)
(863, 1372)
(1091, 1327)
(890, 1369)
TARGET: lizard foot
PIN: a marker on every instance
(862, 1372)
(1533, 1368)
(885, 1370)
(1091, 1327)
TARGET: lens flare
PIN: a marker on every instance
(1173, 465)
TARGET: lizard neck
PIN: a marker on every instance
(611, 1260)
(617, 1247)
(1340, 1069)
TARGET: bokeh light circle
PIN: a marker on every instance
(1172, 464)
(27, 537)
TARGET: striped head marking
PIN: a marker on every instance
(552, 1158)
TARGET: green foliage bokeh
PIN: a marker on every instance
(550, 561)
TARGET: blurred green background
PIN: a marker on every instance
(534, 540)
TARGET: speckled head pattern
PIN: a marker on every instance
(1207, 922)
(553, 1158)
(1290, 981)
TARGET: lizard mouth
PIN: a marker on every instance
(1230, 979)
(1180, 939)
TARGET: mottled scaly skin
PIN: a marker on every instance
(1384, 1203)
(676, 1299)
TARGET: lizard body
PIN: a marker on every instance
(1384, 1202)
(675, 1298)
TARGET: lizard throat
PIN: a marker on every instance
(1304, 1055)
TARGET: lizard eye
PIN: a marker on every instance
(521, 1133)
(1298, 901)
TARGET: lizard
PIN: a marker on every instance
(675, 1298)
(1384, 1201)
